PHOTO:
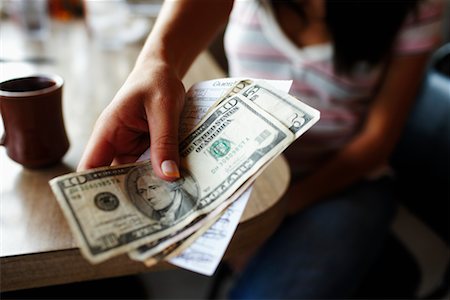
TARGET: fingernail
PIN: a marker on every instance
(170, 168)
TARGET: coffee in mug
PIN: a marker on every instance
(31, 108)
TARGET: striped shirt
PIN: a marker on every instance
(257, 47)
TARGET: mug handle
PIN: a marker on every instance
(3, 137)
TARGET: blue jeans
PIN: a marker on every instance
(324, 251)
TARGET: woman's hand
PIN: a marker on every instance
(146, 110)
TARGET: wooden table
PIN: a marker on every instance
(37, 247)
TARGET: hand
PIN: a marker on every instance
(149, 104)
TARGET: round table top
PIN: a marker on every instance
(34, 232)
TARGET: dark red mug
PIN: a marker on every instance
(31, 108)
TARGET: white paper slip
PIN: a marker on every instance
(202, 95)
(205, 254)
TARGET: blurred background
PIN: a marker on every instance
(111, 23)
(416, 259)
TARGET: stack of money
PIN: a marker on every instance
(128, 209)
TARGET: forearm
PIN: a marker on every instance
(182, 30)
(372, 147)
(350, 164)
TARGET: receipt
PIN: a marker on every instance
(205, 254)
(202, 95)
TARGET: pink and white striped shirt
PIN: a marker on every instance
(257, 47)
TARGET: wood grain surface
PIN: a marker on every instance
(37, 247)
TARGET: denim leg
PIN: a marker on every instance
(324, 251)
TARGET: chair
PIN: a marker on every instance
(421, 161)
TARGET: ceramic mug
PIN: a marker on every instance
(31, 108)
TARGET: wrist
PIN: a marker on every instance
(155, 57)
(158, 53)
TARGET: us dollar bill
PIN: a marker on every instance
(233, 90)
(150, 250)
(290, 111)
(175, 248)
(164, 244)
(113, 210)
(294, 114)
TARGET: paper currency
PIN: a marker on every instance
(205, 253)
(295, 115)
(174, 248)
(202, 254)
(160, 246)
(204, 96)
(116, 209)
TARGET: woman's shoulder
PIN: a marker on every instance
(245, 11)
(422, 30)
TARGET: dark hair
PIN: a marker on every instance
(362, 30)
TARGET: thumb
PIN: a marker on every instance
(164, 145)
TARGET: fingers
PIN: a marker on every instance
(164, 144)
(144, 104)
(116, 140)
(163, 117)
(98, 152)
